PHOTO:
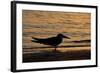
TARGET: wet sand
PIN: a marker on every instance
(56, 56)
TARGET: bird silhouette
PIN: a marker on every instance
(53, 41)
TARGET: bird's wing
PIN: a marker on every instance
(51, 38)
(48, 41)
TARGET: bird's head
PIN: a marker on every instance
(62, 36)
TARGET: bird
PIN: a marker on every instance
(52, 41)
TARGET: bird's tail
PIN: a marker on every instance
(34, 39)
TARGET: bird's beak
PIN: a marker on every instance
(66, 37)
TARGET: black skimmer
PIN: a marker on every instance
(53, 41)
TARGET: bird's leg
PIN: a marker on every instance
(55, 48)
